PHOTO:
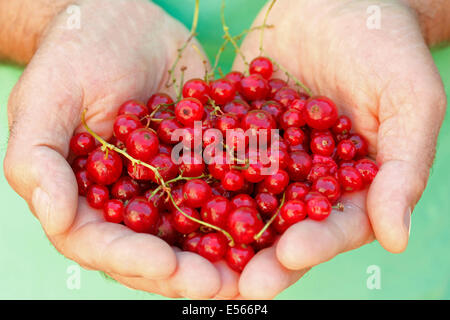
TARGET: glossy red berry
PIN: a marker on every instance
(196, 192)
(322, 144)
(166, 168)
(104, 167)
(97, 195)
(124, 189)
(124, 125)
(198, 89)
(299, 165)
(83, 181)
(166, 130)
(165, 229)
(346, 150)
(213, 246)
(191, 241)
(183, 224)
(216, 210)
(79, 163)
(140, 215)
(159, 99)
(277, 182)
(298, 104)
(256, 120)
(367, 168)
(237, 107)
(285, 96)
(291, 118)
(362, 147)
(350, 179)
(222, 91)
(189, 110)
(192, 165)
(235, 77)
(142, 144)
(329, 187)
(275, 85)
(266, 239)
(267, 203)
(318, 207)
(293, 211)
(238, 256)
(243, 200)
(82, 144)
(262, 66)
(134, 107)
(297, 191)
(243, 224)
(233, 180)
(113, 211)
(253, 173)
(320, 113)
(294, 136)
(273, 108)
(343, 125)
(254, 87)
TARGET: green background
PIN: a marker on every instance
(31, 268)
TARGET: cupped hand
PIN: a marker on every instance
(122, 50)
(386, 81)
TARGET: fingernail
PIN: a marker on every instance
(41, 205)
(407, 220)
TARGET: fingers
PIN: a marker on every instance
(264, 277)
(229, 281)
(195, 277)
(113, 248)
(41, 124)
(410, 117)
(310, 242)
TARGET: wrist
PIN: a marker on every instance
(22, 24)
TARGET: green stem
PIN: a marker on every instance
(261, 40)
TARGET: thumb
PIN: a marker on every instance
(410, 119)
(42, 115)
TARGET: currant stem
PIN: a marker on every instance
(107, 146)
(261, 42)
(203, 223)
(230, 38)
(271, 219)
(339, 206)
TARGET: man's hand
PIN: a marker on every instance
(386, 81)
(123, 50)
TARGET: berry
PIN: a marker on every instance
(275, 85)
(291, 118)
(216, 210)
(82, 144)
(142, 144)
(262, 66)
(294, 136)
(273, 108)
(329, 187)
(191, 241)
(318, 207)
(350, 179)
(222, 91)
(320, 113)
(140, 215)
(212, 246)
(235, 77)
(293, 211)
(104, 167)
(166, 130)
(183, 224)
(362, 148)
(165, 166)
(243, 224)
(189, 110)
(237, 107)
(97, 195)
(253, 173)
(277, 182)
(233, 180)
(297, 191)
(166, 230)
(113, 211)
(243, 200)
(158, 99)
(322, 144)
(266, 239)
(79, 163)
(343, 125)
(254, 87)
(367, 168)
(285, 96)
(83, 181)
(299, 165)
(267, 203)
(196, 192)
(238, 256)
(198, 89)
(124, 189)
(346, 150)
(133, 107)
(192, 165)
(124, 125)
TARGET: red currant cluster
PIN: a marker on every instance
(223, 210)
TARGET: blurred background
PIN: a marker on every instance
(32, 269)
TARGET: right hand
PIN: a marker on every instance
(122, 53)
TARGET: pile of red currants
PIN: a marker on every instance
(235, 203)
